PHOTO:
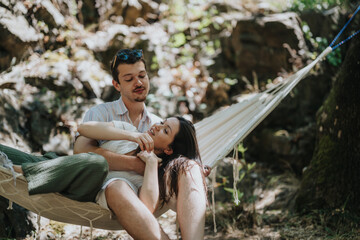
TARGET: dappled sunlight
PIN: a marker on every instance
(232, 67)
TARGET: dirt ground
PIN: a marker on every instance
(269, 216)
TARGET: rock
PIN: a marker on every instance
(216, 95)
(13, 128)
(257, 45)
(90, 73)
(132, 13)
(13, 223)
(16, 36)
(282, 149)
(48, 13)
(329, 20)
(59, 143)
(89, 13)
(81, 75)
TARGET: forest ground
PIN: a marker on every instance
(267, 217)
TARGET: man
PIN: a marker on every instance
(131, 80)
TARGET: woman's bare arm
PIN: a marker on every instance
(149, 192)
(104, 131)
(107, 131)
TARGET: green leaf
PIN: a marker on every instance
(242, 176)
(230, 190)
(251, 166)
(241, 148)
(179, 39)
(230, 81)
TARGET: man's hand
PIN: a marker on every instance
(138, 165)
(144, 140)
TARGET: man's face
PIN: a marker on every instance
(134, 82)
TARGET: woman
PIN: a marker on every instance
(173, 139)
(171, 143)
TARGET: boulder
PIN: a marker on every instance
(257, 44)
(48, 13)
(131, 13)
(89, 13)
(281, 149)
(14, 223)
(289, 139)
(16, 36)
(329, 20)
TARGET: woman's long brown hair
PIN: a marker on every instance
(185, 148)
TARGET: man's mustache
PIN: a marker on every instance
(139, 88)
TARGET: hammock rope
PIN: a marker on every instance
(236, 165)
(213, 209)
(342, 30)
(217, 136)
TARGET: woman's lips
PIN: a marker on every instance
(151, 131)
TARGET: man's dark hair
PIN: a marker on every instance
(125, 56)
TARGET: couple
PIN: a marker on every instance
(177, 182)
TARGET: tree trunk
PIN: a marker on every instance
(332, 180)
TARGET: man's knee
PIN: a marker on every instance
(95, 163)
(118, 192)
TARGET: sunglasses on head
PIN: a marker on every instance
(126, 54)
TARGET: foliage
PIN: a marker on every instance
(300, 5)
(320, 44)
(334, 58)
(241, 169)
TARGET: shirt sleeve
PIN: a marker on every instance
(94, 114)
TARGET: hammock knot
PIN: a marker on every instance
(10, 207)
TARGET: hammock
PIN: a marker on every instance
(217, 135)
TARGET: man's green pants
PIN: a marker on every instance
(78, 177)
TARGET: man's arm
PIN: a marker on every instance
(117, 162)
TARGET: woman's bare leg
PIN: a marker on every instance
(191, 204)
(131, 213)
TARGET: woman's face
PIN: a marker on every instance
(163, 135)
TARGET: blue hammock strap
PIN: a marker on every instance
(342, 30)
(344, 41)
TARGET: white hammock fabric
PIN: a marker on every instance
(217, 135)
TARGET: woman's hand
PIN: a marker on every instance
(207, 170)
(148, 157)
(144, 140)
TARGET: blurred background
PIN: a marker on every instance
(202, 56)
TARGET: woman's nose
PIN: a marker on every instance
(158, 127)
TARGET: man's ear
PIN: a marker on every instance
(116, 85)
(168, 151)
